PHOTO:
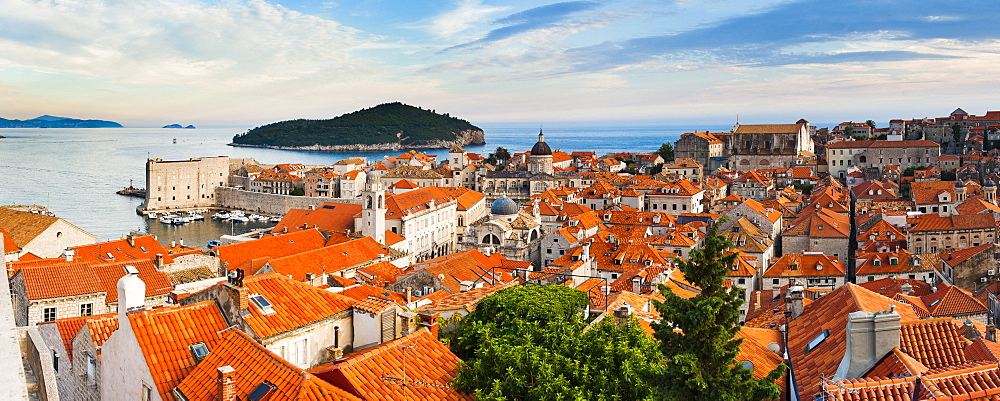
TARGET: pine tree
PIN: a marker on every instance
(700, 357)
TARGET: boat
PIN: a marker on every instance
(214, 243)
(151, 215)
(276, 219)
(221, 215)
(239, 219)
(168, 219)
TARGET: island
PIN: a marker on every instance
(389, 126)
(178, 126)
(47, 121)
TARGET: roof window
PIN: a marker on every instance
(143, 249)
(199, 350)
(935, 302)
(262, 304)
(817, 341)
(262, 392)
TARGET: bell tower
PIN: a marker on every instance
(373, 209)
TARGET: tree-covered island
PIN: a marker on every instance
(389, 126)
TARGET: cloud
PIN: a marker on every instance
(531, 20)
(466, 15)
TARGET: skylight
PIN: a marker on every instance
(262, 392)
(262, 304)
(818, 340)
(935, 302)
(199, 350)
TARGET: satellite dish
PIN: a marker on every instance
(441, 277)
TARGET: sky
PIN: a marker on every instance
(252, 62)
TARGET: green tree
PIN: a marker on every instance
(298, 192)
(502, 154)
(956, 132)
(666, 151)
(870, 123)
(700, 362)
(532, 342)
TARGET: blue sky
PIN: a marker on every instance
(244, 63)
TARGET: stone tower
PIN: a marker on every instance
(990, 191)
(373, 209)
(540, 160)
(961, 193)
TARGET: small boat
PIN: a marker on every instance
(221, 215)
(214, 243)
(239, 219)
(151, 215)
(168, 219)
(276, 219)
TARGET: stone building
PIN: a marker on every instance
(539, 176)
(814, 270)
(879, 154)
(755, 147)
(509, 231)
(185, 183)
(704, 147)
(819, 231)
(932, 233)
(41, 235)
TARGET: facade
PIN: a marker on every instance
(186, 183)
(41, 235)
(704, 147)
(879, 154)
(932, 233)
(755, 147)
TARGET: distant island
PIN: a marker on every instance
(178, 126)
(389, 126)
(57, 122)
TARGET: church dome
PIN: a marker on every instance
(989, 183)
(504, 206)
(541, 148)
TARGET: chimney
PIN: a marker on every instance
(636, 284)
(585, 252)
(409, 295)
(131, 295)
(173, 244)
(227, 383)
(284, 230)
(158, 262)
(181, 242)
(906, 288)
(970, 332)
(69, 254)
(430, 321)
(622, 314)
(991, 330)
(793, 301)
(130, 239)
(870, 336)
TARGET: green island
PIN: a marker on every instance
(387, 126)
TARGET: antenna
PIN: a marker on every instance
(835, 384)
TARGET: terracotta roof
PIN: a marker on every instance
(767, 129)
(145, 247)
(934, 342)
(891, 286)
(328, 259)
(955, 256)
(381, 274)
(951, 300)
(883, 144)
(23, 227)
(756, 348)
(934, 222)
(466, 197)
(253, 365)
(294, 304)
(157, 282)
(793, 265)
(830, 314)
(69, 327)
(8, 242)
(361, 292)
(403, 204)
(166, 334)
(101, 329)
(822, 223)
(416, 367)
(329, 217)
(373, 304)
(897, 364)
(882, 231)
(238, 254)
(56, 281)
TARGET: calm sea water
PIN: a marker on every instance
(75, 172)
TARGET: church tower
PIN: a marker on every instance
(960, 192)
(373, 209)
(990, 191)
(540, 160)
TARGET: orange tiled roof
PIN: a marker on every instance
(8, 242)
(157, 282)
(934, 222)
(328, 259)
(69, 327)
(381, 274)
(360, 292)
(466, 197)
(403, 204)
(295, 304)
(62, 280)
(891, 286)
(463, 300)
(830, 313)
(416, 366)
(277, 246)
(767, 129)
(23, 227)
(793, 265)
(329, 217)
(145, 247)
(166, 334)
(822, 223)
(253, 364)
(951, 300)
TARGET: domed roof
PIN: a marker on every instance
(541, 148)
(504, 206)
(989, 183)
(959, 184)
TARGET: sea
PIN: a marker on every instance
(76, 172)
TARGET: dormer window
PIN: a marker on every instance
(877, 263)
(893, 261)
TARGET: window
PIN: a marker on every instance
(49, 314)
(300, 350)
(147, 393)
(262, 304)
(262, 392)
(86, 309)
(817, 340)
(775, 281)
(91, 369)
(199, 350)
(741, 281)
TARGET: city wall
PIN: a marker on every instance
(270, 203)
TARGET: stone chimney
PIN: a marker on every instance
(227, 383)
(622, 314)
(158, 262)
(870, 336)
(906, 288)
(969, 331)
(130, 238)
(794, 300)
(131, 295)
(991, 330)
(585, 251)
(636, 284)
(69, 254)
(409, 295)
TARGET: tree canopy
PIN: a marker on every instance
(385, 123)
(697, 334)
(532, 342)
(666, 151)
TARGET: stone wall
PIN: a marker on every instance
(185, 183)
(269, 203)
(39, 358)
